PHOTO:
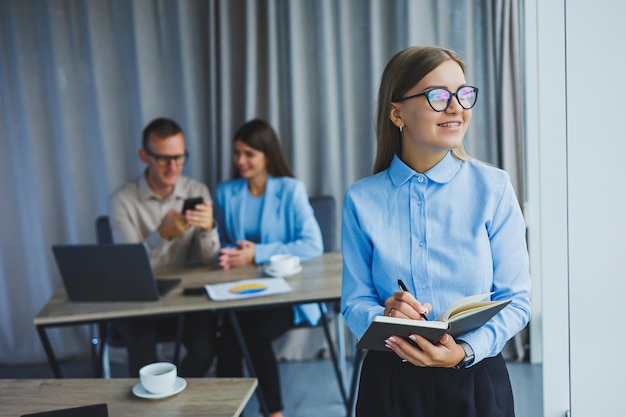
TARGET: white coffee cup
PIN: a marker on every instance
(158, 377)
(282, 264)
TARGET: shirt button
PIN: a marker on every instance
(420, 179)
(421, 244)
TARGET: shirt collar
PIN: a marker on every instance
(444, 171)
(146, 192)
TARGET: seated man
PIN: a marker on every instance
(148, 210)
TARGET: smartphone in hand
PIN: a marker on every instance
(191, 203)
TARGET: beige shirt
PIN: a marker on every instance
(136, 213)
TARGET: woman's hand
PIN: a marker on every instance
(402, 304)
(243, 254)
(446, 354)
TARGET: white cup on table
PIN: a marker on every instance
(283, 264)
(158, 377)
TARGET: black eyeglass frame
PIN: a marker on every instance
(166, 159)
(425, 94)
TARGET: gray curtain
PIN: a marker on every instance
(80, 78)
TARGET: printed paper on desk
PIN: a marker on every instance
(247, 288)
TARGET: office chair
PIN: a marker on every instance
(109, 336)
(104, 236)
(326, 214)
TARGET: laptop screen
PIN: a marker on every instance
(119, 272)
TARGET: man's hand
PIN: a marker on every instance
(173, 225)
(201, 216)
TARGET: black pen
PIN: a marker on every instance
(403, 287)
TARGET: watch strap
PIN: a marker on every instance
(468, 360)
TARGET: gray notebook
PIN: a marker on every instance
(466, 314)
(119, 272)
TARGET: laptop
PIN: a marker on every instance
(119, 272)
(95, 410)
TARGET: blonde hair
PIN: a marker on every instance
(403, 71)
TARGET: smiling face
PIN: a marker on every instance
(428, 135)
(162, 176)
(250, 163)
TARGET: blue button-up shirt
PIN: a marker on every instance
(454, 231)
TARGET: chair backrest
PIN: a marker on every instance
(104, 236)
(326, 215)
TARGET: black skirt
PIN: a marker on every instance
(392, 388)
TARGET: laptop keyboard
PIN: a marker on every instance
(165, 285)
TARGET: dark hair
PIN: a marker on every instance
(259, 135)
(403, 71)
(162, 128)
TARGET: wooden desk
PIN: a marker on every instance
(202, 396)
(319, 281)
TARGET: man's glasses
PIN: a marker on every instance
(165, 160)
(440, 98)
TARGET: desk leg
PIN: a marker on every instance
(52, 359)
(179, 338)
(341, 345)
(356, 370)
(333, 355)
(232, 315)
(103, 370)
(94, 339)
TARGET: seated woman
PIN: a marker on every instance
(263, 211)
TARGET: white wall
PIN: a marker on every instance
(577, 144)
(546, 210)
(596, 139)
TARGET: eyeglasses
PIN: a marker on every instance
(165, 160)
(440, 98)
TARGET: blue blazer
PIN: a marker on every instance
(288, 225)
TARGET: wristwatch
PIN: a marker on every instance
(469, 356)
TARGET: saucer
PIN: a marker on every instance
(272, 273)
(141, 392)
